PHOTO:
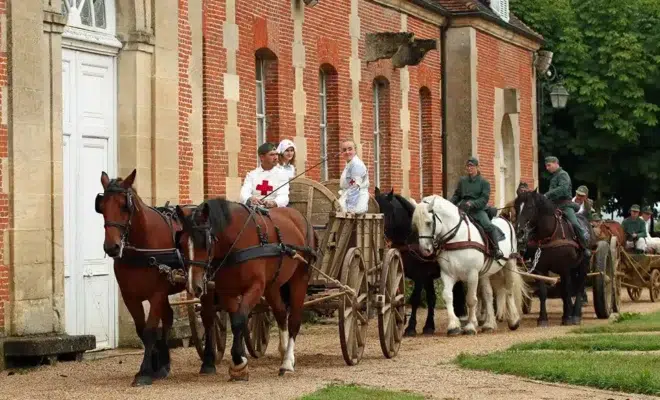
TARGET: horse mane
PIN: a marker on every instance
(542, 203)
(407, 205)
(219, 213)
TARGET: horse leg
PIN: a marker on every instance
(471, 299)
(298, 286)
(489, 324)
(137, 312)
(162, 369)
(543, 312)
(429, 326)
(567, 299)
(238, 368)
(454, 324)
(415, 300)
(580, 283)
(459, 299)
(274, 299)
(149, 338)
(208, 320)
(515, 287)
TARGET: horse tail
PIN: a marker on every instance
(518, 288)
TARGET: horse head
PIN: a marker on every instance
(531, 208)
(201, 229)
(397, 212)
(118, 204)
(433, 218)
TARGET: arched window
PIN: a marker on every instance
(266, 96)
(329, 121)
(261, 100)
(381, 139)
(90, 14)
(323, 111)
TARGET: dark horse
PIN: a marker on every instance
(422, 271)
(141, 239)
(249, 253)
(541, 227)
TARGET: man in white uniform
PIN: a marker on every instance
(263, 180)
(354, 182)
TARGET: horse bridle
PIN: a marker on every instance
(440, 240)
(124, 227)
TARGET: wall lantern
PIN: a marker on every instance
(558, 96)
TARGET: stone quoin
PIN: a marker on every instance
(186, 94)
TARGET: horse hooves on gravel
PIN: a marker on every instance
(410, 333)
(142, 380)
(207, 370)
(428, 331)
(469, 332)
(568, 321)
(454, 332)
(515, 326)
(542, 324)
(162, 373)
(487, 330)
(239, 372)
(576, 321)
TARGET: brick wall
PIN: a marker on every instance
(4, 199)
(503, 65)
(185, 103)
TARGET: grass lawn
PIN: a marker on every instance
(627, 323)
(601, 342)
(353, 392)
(614, 371)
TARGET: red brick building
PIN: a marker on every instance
(184, 95)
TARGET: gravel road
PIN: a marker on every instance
(423, 366)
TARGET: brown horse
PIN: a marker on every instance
(141, 239)
(248, 254)
(605, 229)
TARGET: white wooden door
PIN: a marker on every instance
(501, 189)
(89, 142)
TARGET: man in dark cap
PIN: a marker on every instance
(263, 180)
(635, 230)
(508, 211)
(582, 198)
(560, 193)
(471, 196)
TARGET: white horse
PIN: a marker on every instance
(459, 250)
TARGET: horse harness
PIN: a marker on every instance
(213, 263)
(441, 243)
(169, 261)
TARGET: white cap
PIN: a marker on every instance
(285, 144)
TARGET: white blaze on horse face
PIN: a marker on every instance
(522, 206)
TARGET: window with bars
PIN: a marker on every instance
(323, 107)
(501, 8)
(377, 89)
(261, 101)
(86, 13)
(421, 146)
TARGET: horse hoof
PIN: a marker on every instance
(142, 380)
(207, 370)
(410, 333)
(542, 324)
(568, 321)
(487, 330)
(454, 332)
(429, 331)
(576, 321)
(469, 332)
(239, 372)
(515, 326)
(162, 373)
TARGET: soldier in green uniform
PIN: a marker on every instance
(560, 193)
(471, 196)
(582, 198)
(635, 230)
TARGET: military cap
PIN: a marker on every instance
(266, 148)
(634, 207)
(472, 161)
(647, 209)
(551, 159)
(582, 190)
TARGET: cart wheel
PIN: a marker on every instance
(654, 285)
(354, 310)
(198, 336)
(392, 313)
(257, 334)
(603, 284)
(615, 256)
(634, 293)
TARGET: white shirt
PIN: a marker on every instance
(289, 170)
(260, 183)
(581, 205)
(648, 227)
(354, 187)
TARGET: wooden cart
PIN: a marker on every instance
(354, 275)
(640, 271)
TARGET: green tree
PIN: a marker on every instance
(608, 54)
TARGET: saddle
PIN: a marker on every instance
(488, 248)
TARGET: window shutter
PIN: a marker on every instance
(504, 6)
(496, 5)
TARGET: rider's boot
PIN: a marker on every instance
(582, 238)
(496, 235)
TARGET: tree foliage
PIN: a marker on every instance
(607, 54)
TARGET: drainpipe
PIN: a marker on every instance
(443, 93)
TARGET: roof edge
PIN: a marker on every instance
(499, 21)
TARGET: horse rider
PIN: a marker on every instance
(471, 196)
(354, 181)
(647, 216)
(560, 194)
(508, 211)
(263, 180)
(582, 198)
(635, 230)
